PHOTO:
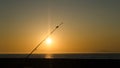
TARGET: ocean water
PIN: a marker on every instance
(66, 56)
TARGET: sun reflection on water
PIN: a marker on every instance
(48, 56)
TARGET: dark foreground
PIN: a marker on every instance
(57, 63)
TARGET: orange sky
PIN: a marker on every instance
(89, 26)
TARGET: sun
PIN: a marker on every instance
(48, 41)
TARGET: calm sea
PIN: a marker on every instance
(66, 56)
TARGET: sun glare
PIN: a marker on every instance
(48, 41)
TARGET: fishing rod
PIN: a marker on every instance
(44, 40)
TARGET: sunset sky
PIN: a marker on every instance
(89, 26)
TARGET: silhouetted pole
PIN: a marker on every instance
(43, 40)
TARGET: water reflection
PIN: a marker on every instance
(48, 56)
